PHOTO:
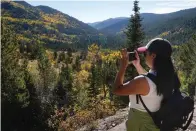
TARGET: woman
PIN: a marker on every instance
(158, 58)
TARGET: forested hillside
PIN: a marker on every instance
(52, 27)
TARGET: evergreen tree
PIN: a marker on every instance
(64, 91)
(55, 55)
(77, 64)
(134, 35)
(61, 57)
(134, 31)
(68, 59)
(93, 90)
(100, 81)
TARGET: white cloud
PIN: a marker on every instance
(172, 6)
(177, 4)
(165, 10)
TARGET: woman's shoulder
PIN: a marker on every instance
(150, 82)
(147, 81)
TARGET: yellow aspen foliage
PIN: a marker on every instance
(49, 55)
(94, 48)
(86, 66)
(93, 53)
(110, 57)
(83, 75)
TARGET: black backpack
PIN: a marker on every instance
(176, 112)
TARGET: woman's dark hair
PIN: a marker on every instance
(167, 78)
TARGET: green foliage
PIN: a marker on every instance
(77, 65)
(28, 85)
(80, 86)
(187, 65)
(55, 55)
(61, 57)
(93, 89)
(21, 107)
(36, 118)
(14, 93)
(46, 81)
(12, 74)
(64, 91)
(69, 58)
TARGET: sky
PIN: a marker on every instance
(94, 11)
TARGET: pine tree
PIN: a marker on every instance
(61, 57)
(93, 90)
(77, 64)
(100, 78)
(134, 35)
(134, 31)
(55, 55)
(64, 91)
(69, 58)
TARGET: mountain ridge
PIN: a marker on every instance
(50, 26)
(147, 17)
(105, 23)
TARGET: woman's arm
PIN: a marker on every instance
(137, 86)
(140, 69)
(123, 65)
(119, 78)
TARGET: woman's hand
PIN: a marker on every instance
(136, 62)
(125, 59)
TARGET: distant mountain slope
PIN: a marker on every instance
(178, 26)
(47, 9)
(106, 23)
(154, 20)
(54, 28)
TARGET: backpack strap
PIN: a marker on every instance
(150, 113)
(138, 97)
(150, 76)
